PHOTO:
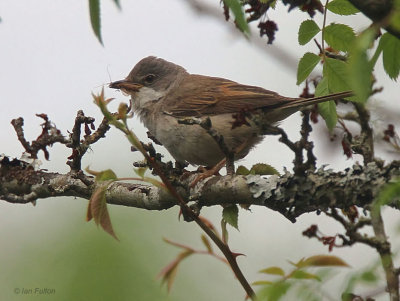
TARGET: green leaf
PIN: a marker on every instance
(275, 291)
(339, 36)
(263, 170)
(272, 3)
(116, 2)
(321, 260)
(273, 271)
(267, 1)
(388, 193)
(359, 67)
(369, 276)
(394, 21)
(240, 19)
(105, 175)
(306, 65)
(376, 55)
(300, 274)
(336, 72)
(342, 7)
(242, 171)
(308, 29)
(140, 171)
(326, 109)
(391, 54)
(322, 87)
(94, 9)
(365, 276)
(230, 215)
(262, 282)
(328, 112)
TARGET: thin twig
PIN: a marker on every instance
(323, 27)
(186, 210)
(50, 135)
(384, 250)
(367, 143)
(80, 146)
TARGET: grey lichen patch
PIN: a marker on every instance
(262, 187)
(324, 188)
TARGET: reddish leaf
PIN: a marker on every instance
(177, 244)
(390, 130)
(168, 273)
(351, 213)
(311, 231)
(306, 91)
(209, 224)
(89, 215)
(99, 212)
(87, 129)
(206, 243)
(314, 114)
(268, 28)
(346, 148)
(321, 260)
(329, 240)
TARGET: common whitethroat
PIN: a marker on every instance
(163, 92)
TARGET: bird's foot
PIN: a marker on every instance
(208, 172)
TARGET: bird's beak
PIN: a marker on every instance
(126, 86)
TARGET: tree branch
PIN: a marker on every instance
(384, 250)
(289, 194)
(79, 147)
(378, 11)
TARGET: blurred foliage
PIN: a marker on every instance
(82, 263)
(298, 279)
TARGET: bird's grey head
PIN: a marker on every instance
(155, 73)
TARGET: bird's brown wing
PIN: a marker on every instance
(202, 95)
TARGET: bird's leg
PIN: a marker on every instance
(206, 173)
(230, 164)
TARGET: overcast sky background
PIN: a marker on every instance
(51, 62)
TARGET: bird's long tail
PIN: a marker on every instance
(302, 102)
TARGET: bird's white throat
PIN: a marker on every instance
(145, 97)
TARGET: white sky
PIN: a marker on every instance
(51, 62)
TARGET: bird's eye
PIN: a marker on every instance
(149, 79)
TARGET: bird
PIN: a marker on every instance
(163, 94)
